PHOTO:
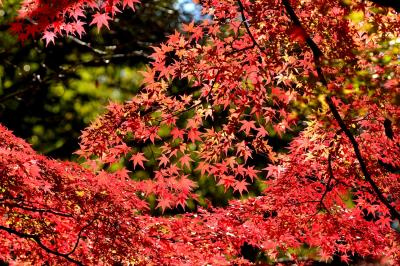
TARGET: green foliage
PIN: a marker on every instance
(49, 96)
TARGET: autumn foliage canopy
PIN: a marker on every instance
(324, 72)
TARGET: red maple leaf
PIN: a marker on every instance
(164, 203)
(227, 181)
(100, 19)
(185, 160)
(164, 160)
(138, 159)
(177, 133)
(185, 184)
(247, 126)
(78, 27)
(298, 34)
(203, 167)
(241, 186)
(49, 36)
(194, 135)
(130, 3)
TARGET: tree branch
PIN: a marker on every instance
(79, 236)
(39, 210)
(317, 53)
(37, 239)
(360, 159)
(246, 25)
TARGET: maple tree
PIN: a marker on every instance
(325, 71)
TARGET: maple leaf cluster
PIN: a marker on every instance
(65, 17)
(324, 71)
(50, 207)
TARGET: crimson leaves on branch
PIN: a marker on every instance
(326, 69)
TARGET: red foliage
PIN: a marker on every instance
(268, 67)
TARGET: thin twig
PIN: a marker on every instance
(39, 210)
(328, 186)
(79, 236)
(246, 25)
(88, 45)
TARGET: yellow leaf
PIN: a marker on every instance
(80, 193)
(356, 16)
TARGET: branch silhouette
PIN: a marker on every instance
(317, 53)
